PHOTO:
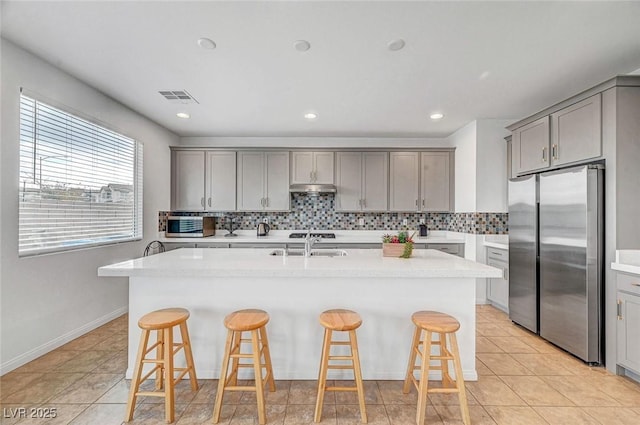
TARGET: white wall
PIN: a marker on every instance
(464, 140)
(491, 165)
(48, 300)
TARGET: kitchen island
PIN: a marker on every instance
(294, 290)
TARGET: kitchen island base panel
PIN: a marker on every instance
(295, 335)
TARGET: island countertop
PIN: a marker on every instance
(243, 262)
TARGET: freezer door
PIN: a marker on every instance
(570, 241)
(523, 233)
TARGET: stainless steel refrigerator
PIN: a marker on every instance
(556, 257)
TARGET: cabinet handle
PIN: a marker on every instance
(209, 202)
(635, 284)
(364, 203)
(311, 176)
(262, 202)
(505, 274)
(416, 203)
(423, 203)
(619, 310)
(266, 202)
(202, 201)
(315, 176)
(544, 154)
(554, 151)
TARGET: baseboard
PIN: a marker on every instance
(43, 349)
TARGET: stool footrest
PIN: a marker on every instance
(341, 358)
(152, 347)
(150, 394)
(443, 390)
(239, 388)
(353, 389)
(340, 343)
(339, 366)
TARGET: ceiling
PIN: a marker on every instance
(468, 60)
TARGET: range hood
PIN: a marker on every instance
(312, 189)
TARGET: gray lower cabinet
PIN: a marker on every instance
(498, 287)
(628, 315)
(449, 248)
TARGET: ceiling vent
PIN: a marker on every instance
(178, 96)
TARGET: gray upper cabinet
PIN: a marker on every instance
(263, 181)
(362, 181)
(404, 188)
(436, 182)
(576, 132)
(530, 144)
(312, 167)
(203, 180)
(220, 181)
(569, 135)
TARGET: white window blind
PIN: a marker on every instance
(80, 183)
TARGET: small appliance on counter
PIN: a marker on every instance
(190, 227)
(263, 229)
(423, 230)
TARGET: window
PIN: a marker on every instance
(80, 183)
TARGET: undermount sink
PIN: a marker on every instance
(314, 253)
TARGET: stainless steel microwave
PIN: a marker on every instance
(190, 227)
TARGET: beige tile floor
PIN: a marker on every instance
(523, 380)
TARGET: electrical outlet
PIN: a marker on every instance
(265, 220)
(361, 222)
(422, 221)
(404, 221)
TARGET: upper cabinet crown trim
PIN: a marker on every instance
(619, 81)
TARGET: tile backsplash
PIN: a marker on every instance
(318, 212)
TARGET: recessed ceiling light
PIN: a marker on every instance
(183, 115)
(436, 116)
(311, 116)
(206, 43)
(484, 75)
(395, 45)
(301, 45)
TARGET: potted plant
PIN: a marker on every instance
(400, 245)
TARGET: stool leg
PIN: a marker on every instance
(462, 395)
(137, 373)
(160, 356)
(412, 360)
(322, 375)
(358, 375)
(223, 378)
(169, 384)
(424, 379)
(267, 359)
(257, 367)
(186, 341)
(444, 363)
(235, 362)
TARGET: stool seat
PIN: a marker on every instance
(165, 318)
(434, 321)
(246, 320)
(340, 320)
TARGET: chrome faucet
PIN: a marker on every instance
(308, 243)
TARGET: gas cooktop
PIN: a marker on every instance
(313, 235)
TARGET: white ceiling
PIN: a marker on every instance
(469, 60)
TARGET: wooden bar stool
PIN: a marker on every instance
(253, 321)
(163, 322)
(347, 321)
(432, 322)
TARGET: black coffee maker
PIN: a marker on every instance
(423, 229)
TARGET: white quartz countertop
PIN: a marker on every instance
(627, 260)
(342, 237)
(497, 241)
(256, 262)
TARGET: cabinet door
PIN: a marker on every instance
(348, 181)
(188, 181)
(323, 167)
(301, 167)
(628, 336)
(220, 181)
(498, 289)
(531, 143)
(277, 181)
(375, 181)
(251, 170)
(576, 132)
(403, 181)
(436, 182)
